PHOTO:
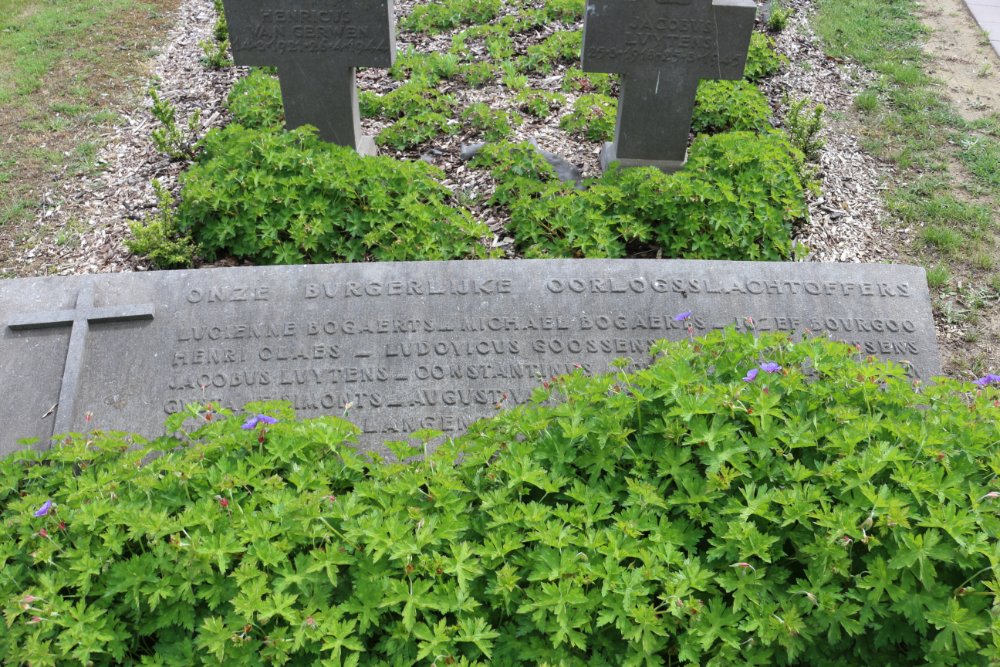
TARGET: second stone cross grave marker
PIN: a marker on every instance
(662, 49)
(316, 45)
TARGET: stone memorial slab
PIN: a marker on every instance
(316, 46)
(662, 49)
(402, 346)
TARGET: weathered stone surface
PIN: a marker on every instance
(662, 49)
(399, 347)
(316, 44)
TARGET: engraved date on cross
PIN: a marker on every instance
(316, 46)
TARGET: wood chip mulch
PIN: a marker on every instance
(84, 222)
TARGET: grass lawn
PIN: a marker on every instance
(65, 66)
(948, 185)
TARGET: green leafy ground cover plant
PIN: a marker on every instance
(499, 45)
(511, 76)
(418, 110)
(576, 80)
(159, 238)
(426, 67)
(746, 500)
(539, 103)
(804, 122)
(411, 131)
(553, 10)
(762, 59)
(493, 124)
(477, 74)
(179, 142)
(720, 106)
(277, 197)
(736, 199)
(593, 116)
(564, 46)
(255, 101)
(410, 99)
(724, 106)
(441, 16)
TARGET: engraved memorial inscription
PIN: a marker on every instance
(399, 347)
(662, 49)
(316, 46)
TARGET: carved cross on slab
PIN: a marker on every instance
(662, 49)
(79, 320)
(316, 44)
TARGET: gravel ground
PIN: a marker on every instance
(846, 217)
(85, 220)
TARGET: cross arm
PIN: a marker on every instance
(58, 318)
(296, 33)
(735, 19)
(143, 311)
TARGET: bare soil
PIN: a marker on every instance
(962, 59)
(41, 146)
(967, 70)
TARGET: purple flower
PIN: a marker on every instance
(751, 375)
(254, 420)
(44, 509)
(987, 380)
(682, 316)
(770, 367)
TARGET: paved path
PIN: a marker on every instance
(987, 12)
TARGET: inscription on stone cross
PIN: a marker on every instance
(398, 347)
(78, 319)
(662, 49)
(316, 46)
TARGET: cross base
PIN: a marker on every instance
(609, 154)
(366, 145)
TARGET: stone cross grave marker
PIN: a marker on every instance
(316, 46)
(397, 347)
(662, 49)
